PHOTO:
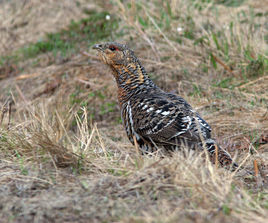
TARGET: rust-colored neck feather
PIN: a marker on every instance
(131, 79)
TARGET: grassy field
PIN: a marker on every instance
(64, 154)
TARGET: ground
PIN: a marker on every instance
(64, 155)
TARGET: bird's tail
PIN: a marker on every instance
(217, 154)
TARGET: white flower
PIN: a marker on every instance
(107, 17)
(179, 29)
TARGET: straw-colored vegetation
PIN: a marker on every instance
(64, 155)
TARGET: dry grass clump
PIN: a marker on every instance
(64, 155)
(84, 175)
(113, 178)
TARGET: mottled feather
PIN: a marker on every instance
(156, 119)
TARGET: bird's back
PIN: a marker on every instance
(163, 119)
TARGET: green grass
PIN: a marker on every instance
(69, 40)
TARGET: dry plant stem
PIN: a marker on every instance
(2, 116)
(64, 129)
(6, 108)
(101, 143)
(253, 82)
(21, 94)
(9, 114)
(136, 145)
(54, 164)
(216, 156)
(3, 112)
(222, 64)
(256, 169)
(27, 76)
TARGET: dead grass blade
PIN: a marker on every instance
(216, 156)
(256, 169)
(27, 76)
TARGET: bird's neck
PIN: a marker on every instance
(131, 79)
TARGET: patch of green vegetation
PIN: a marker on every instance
(163, 20)
(222, 45)
(165, 58)
(213, 61)
(197, 91)
(143, 22)
(166, 17)
(201, 40)
(117, 172)
(189, 32)
(231, 3)
(226, 210)
(266, 204)
(218, 94)
(225, 83)
(204, 68)
(84, 184)
(201, 4)
(3, 138)
(80, 163)
(107, 107)
(86, 31)
(74, 97)
(95, 102)
(118, 120)
(256, 67)
(186, 71)
(23, 169)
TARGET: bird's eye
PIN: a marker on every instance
(112, 48)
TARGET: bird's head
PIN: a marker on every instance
(115, 54)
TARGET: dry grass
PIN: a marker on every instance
(64, 153)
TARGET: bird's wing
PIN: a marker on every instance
(166, 118)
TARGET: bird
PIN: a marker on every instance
(153, 118)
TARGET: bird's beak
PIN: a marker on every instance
(97, 47)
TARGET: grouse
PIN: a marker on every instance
(152, 117)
